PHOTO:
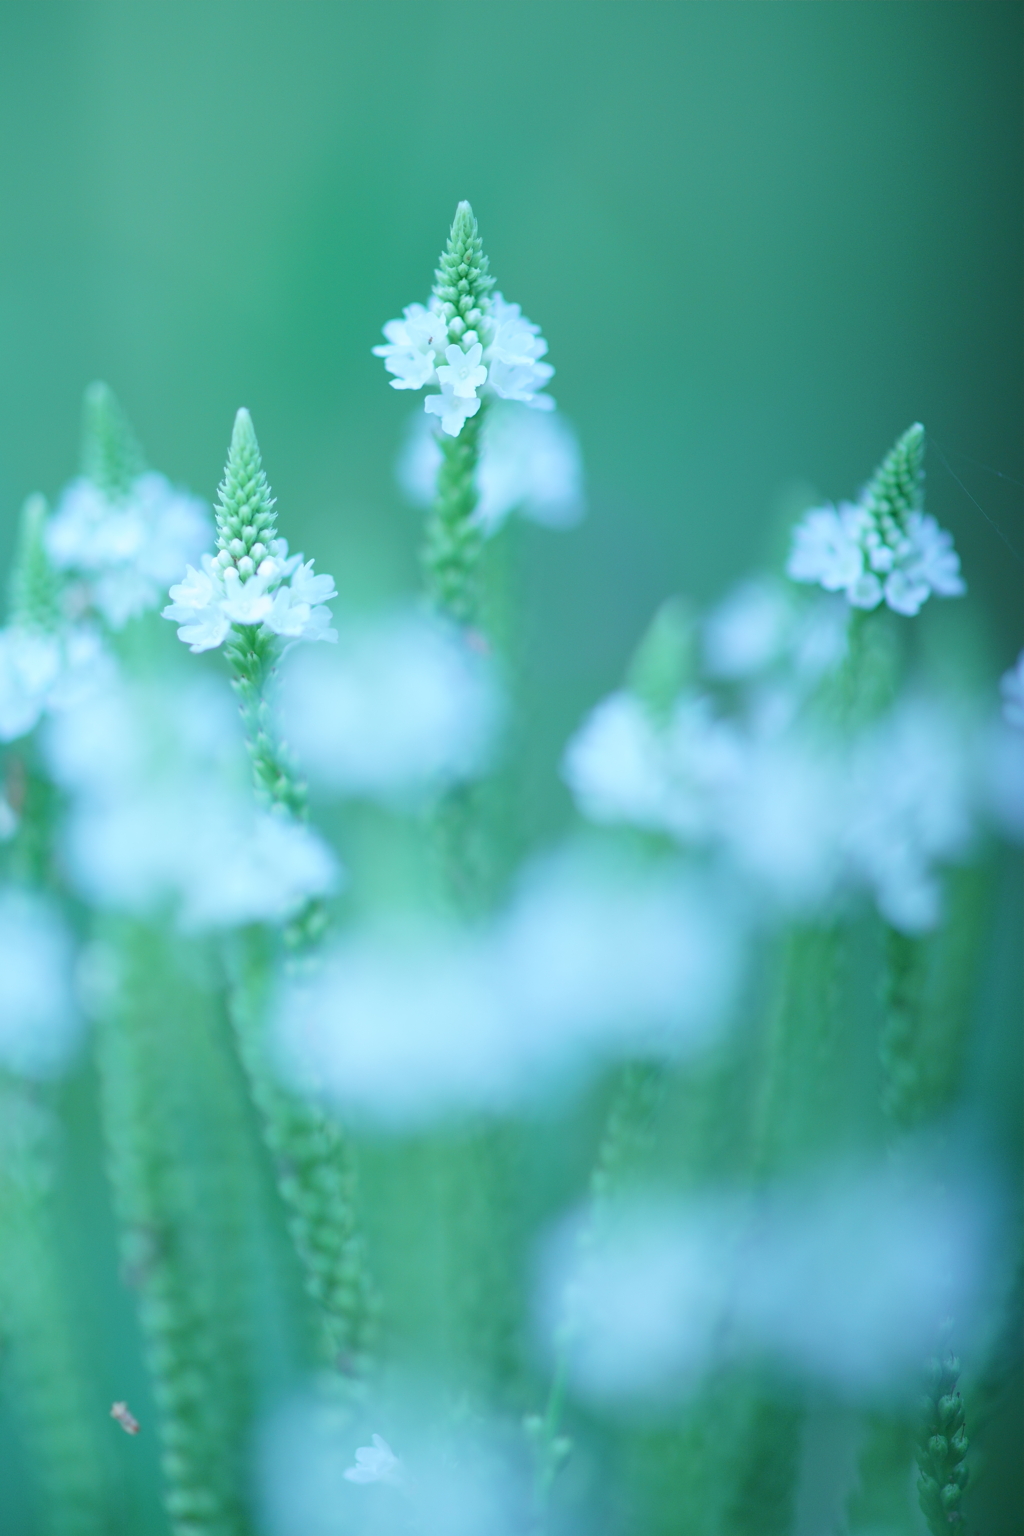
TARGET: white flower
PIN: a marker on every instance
(412, 345)
(375, 1464)
(126, 550)
(161, 810)
(616, 766)
(282, 595)
(463, 371)
(827, 547)
(1011, 686)
(453, 409)
(402, 709)
(842, 549)
(503, 358)
(40, 672)
(529, 463)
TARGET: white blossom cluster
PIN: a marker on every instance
(399, 710)
(589, 962)
(843, 549)
(503, 357)
(281, 595)
(529, 463)
(845, 1280)
(161, 811)
(125, 550)
(751, 775)
(42, 671)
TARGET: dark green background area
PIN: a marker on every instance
(761, 239)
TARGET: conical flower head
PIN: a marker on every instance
(245, 508)
(462, 283)
(35, 588)
(111, 456)
(897, 487)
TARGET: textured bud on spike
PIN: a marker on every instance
(245, 508)
(111, 456)
(462, 283)
(897, 486)
(35, 587)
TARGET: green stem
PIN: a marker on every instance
(453, 541)
(64, 1426)
(315, 1176)
(171, 1157)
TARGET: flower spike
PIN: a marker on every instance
(884, 547)
(462, 282)
(245, 516)
(111, 456)
(35, 586)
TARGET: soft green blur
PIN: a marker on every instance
(761, 239)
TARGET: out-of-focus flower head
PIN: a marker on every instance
(161, 810)
(123, 531)
(40, 1024)
(252, 581)
(468, 342)
(401, 709)
(884, 548)
(46, 662)
(1011, 686)
(590, 961)
(457, 1475)
(845, 1280)
(529, 463)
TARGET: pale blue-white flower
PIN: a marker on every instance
(376, 1463)
(463, 370)
(160, 811)
(280, 595)
(453, 409)
(42, 671)
(126, 549)
(401, 709)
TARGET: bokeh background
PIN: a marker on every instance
(760, 238)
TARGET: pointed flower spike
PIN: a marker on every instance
(462, 283)
(897, 487)
(246, 521)
(111, 456)
(35, 586)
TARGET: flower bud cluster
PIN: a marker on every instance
(252, 581)
(487, 345)
(883, 547)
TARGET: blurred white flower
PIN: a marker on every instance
(912, 806)
(1011, 686)
(401, 709)
(589, 961)
(464, 1478)
(40, 1025)
(127, 550)
(161, 810)
(376, 1463)
(616, 766)
(846, 1281)
(40, 671)
(843, 549)
(748, 630)
(529, 463)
